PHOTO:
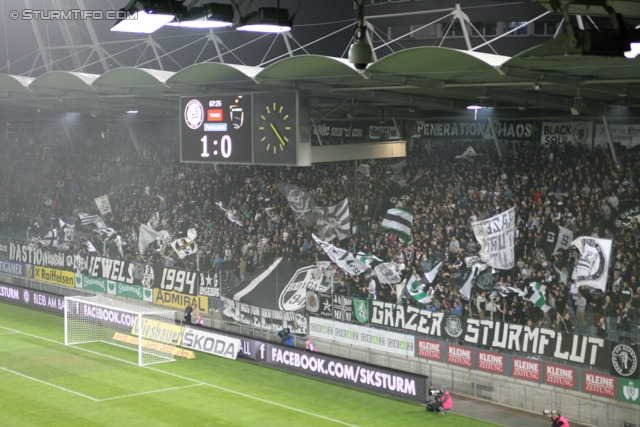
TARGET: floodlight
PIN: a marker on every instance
(211, 15)
(266, 20)
(146, 16)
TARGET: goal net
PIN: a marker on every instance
(149, 331)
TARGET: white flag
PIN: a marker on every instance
(334, 221)
(345, 260)
(103, 204)
(496, 236)
(593, 265)
(146, 236)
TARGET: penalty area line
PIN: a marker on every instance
(259, 399)
(49, 384)
(150, 392)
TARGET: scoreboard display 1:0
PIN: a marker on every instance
(215, 129)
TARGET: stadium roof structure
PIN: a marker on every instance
(436, 80)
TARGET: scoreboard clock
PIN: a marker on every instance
(275, 128)
(261, 129)
(215, 129)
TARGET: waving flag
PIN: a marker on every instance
(398, 222)
(555, 238)
(388, 273)
(344, 259)
(146, 236)
(416, 290)
(334, 221)
(304, 208)
(367, 258)
(496, 236)
(538, 297)
(593, 265)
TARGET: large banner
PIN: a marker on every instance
(348, 372)
(625, 135)
(32, 299)
(41, 257)
(360, 336)
(337, 307)
(496, 236)
(54, 276)
(264, 318)
(473, 129)
(561, 133)
(507, 336)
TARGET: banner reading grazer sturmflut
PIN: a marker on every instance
(496, 236)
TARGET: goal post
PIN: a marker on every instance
(150, 331)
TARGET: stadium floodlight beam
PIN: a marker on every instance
(147, 16)
(210, 15)
(267, 19)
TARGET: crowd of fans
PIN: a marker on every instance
(578, 188)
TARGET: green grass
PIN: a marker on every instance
(44, 383)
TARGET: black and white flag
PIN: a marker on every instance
(67, 229)
(388, 273)
(496, 236)
(344, 259)
(50, 239)
(103, 204)
(334, 222)
(304, 208)
(432, 265)
(462, 280)
(397, 167)
(593, 265)
(88, 219)
(184, 247)
(154, 221)
(398, 222)
(555, 238)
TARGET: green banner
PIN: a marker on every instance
(630, 391)
(361, 309)
(117, 288)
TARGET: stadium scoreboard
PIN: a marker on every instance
(261, 129)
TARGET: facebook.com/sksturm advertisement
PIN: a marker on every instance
(397, 384)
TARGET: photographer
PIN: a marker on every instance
(441, 400)
(558, 420)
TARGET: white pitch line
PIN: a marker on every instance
(8, 333)
(150, 392)
(302, 411)
(49, 384)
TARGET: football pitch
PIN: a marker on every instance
(45, 383)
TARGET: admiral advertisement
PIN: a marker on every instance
(488, 333)
(526, 369)
(15, 268)
(348, 372)
(33, 299)
(375, 339)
